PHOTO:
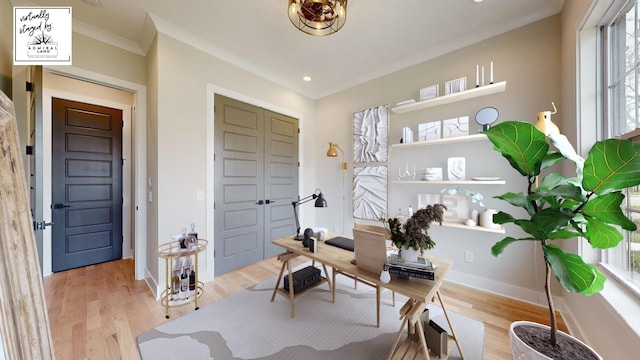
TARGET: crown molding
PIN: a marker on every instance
(106, 37)
(167, 28)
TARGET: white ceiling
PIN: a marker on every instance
(379, 37)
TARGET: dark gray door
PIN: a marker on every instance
(86, 184)
(255, 181)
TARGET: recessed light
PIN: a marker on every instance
(306, 78)
(477, 1)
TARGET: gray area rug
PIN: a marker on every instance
(247, 325)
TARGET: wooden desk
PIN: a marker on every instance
(420, 292)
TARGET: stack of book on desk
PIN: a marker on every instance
(423, 269)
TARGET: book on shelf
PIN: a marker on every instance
(422, 264)
(406, 273)
(407, 135)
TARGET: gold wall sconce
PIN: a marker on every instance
(333, 152)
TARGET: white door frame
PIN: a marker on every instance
(139, 139)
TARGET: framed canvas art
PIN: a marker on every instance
(455, 127)
(370, 192)
(455, 86)
(429, 131)
(429, 92)
(370, 129)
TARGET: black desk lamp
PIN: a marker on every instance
(320, 202)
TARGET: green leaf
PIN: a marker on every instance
(552, 180)
(571, 271)
(550, 220)
(521, 144)
(602, 235)
(552, 158)
(612, 165)
(567, 191)
(502, 218)
(598, 284)
(530, 228)
(517, 199)
(563, 234)
(607, 208)
(499, 247)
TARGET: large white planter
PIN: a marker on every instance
(409, 255)
(522, 351)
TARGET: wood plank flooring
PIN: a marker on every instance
(96, 312)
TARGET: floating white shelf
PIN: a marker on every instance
(449, 182)
(499, 230)
(451, 98)
(456, 225)
(453, 140)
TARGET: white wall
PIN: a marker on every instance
(183, 75)
(528, 60)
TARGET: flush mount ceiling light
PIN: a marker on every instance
(318, 17)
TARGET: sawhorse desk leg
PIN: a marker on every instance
(410, 348)
(286, 258)
(286, 262)
(453, 332)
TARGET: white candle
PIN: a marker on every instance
(477, 75)
(482, 75)
(491, 74)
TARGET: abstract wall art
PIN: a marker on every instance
(370, 192)
(370, 129)
(455, 127)
(429, 131)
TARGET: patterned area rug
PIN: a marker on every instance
(247, 325)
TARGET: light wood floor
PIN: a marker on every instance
(96, 312)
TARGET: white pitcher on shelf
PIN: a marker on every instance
(485, 219)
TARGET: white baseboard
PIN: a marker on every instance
(152, 284)
(519, 293)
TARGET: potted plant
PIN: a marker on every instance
(559, 208)
(413, 236)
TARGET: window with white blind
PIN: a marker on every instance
(622, 120)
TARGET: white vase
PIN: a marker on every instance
(522, 351)
(409, 255)
(485, 219)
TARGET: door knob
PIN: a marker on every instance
(60, 206)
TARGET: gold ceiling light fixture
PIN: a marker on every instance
(318, 17)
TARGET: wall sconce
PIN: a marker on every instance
(333, 152)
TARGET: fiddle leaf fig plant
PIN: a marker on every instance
(559, 208)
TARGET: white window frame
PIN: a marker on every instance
(617, 261)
